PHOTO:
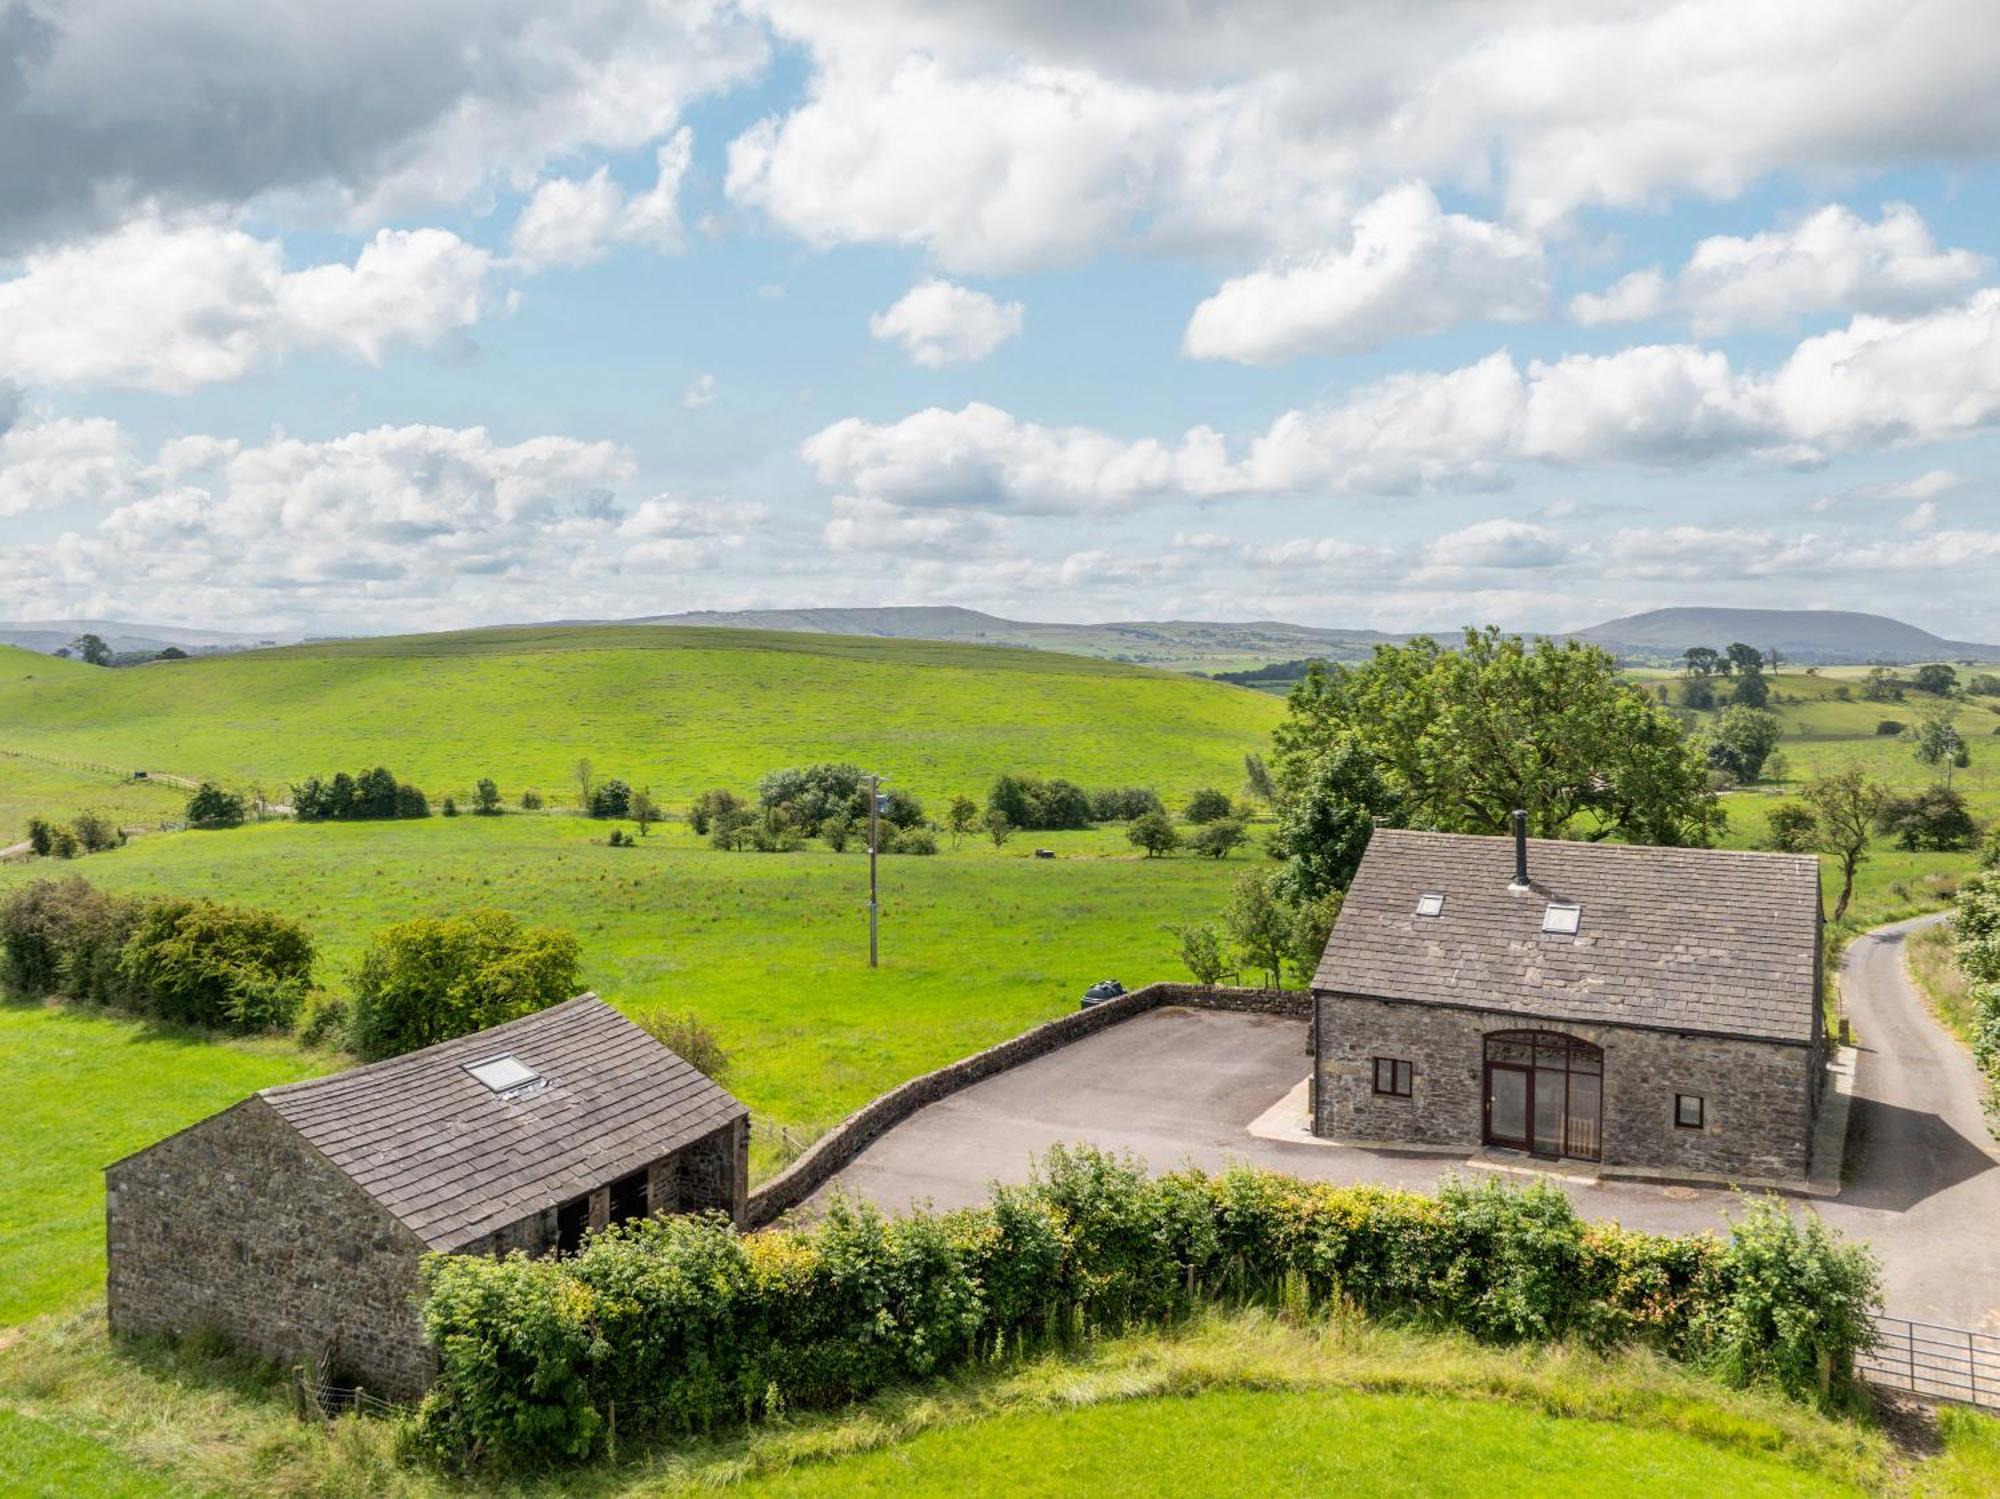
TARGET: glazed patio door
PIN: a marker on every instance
(1509, 1090)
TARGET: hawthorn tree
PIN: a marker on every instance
(1846, 804)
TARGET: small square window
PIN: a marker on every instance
(1563, 920)
(1430, 903)
(1392, 1077)
(1689, 1111)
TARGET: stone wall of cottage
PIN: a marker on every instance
(1759, 1096)
(237, 1225)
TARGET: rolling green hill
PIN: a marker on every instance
(674, 709)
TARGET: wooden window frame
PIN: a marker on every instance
(1700, 1101)
(1400, 1070)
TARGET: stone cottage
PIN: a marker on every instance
(293, 1222)
(1648, 1008)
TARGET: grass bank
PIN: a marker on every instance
(1245, 1399)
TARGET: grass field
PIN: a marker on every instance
(30, 787)
(81, 1091)
(678, 710)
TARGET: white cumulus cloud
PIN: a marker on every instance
(576, 222)
(1409, 269)
(939, 323)
(159, 305)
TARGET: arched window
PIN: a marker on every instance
(1545, 1093)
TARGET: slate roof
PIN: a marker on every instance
(1673, 938)
(455, 1161)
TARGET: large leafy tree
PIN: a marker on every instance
(1466, 735)
(1846, 804)
(1336, 800)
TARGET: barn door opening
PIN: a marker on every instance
(572, 1218)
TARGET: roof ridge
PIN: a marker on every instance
(1507, 840)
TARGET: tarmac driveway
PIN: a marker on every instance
(1182, 1086)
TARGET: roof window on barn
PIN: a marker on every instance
(508, 1076)
(1430, 903)
(1562, 919)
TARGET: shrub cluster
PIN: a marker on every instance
(682, 1325)
(372, 794)
(86, 833)
(436, 977)
(1030, 802)
(189, 961)
(212, 806)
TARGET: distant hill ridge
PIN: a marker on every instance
(1806, 636)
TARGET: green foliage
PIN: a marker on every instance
(999, 827)
(92, 650)
(705, 808)
(1311, 924)
(1845, 804)
(683, 1033)
(220, 967)
(1751, 691)
(1936, 678)
(1218, 840)
(1208, 805)
(374, 795)
(41, 837)
(1936, 818)
(1796, 1306)
(323, 1020)
(918, 840)
(432, 978)
(612, 798)
(1697, 693)
(1743, 739)
(1333, 799)
(64, 937)
(1466, 736)
(1155, 833)
(449, 807)
(619, 839)
(1123, 803)
(1936, 740)
(1881, 685)
(1259, 924)
(685, 1325)
(645, 811)
(1030, 802)
(961, 817)
(486, 797)
(213, 807)
(1202, 951)
(531, 801)
(1888, 727)
(95, 832)
(1794, 828)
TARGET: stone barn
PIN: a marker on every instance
(293, 1222)
(1651, 1009)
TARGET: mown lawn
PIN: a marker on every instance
(678, 710)
(1243, 1442)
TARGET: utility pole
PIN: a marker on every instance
(874, 829)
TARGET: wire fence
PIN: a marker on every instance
(1933, 1361)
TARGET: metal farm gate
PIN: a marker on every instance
(1940, 1363)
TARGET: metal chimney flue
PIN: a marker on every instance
(1520, 881)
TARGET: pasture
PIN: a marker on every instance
(676, 710)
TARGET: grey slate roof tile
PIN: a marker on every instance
(1676, 938)
(455, 1161)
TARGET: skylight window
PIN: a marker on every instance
(1562, 919)
(508, 1076)
(1430, 903)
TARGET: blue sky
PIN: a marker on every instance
(1264, 310)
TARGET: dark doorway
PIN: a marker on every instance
(1545, 1094)
(628, 1197)
(572, 1218)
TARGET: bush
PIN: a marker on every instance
(486, 798)
(1155, 833)
(708, 806)
(1884, 727)
(1202, 952)
(432, 978)
(96, 832)
(612, 798)
(323, 1020)
(222, 967)
(619, 839)
(1220, 838)
(65, 937)
(1030, 802)
(212, 807)
(1123, 803)
(41, 837)
(1208, 805)
(687, 1038)
(531, 801)
(685, 1325)
(1794, 828)
(374, 794)
(63, 843)
(914, 841)
(835, 832)
(410, 802)
(1935, 818)
(449, 807)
